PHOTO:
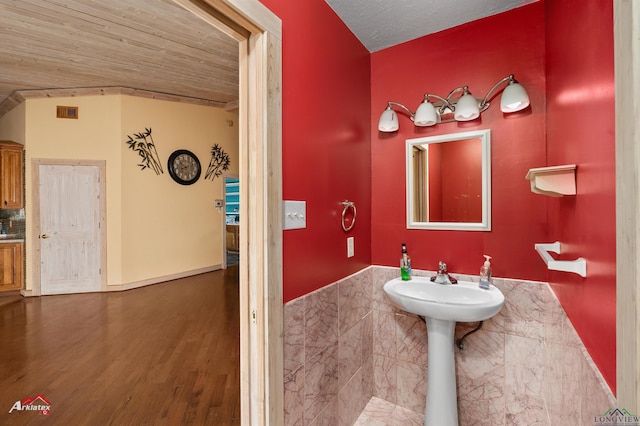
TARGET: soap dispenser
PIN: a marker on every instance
(485, 273)
(405, 264)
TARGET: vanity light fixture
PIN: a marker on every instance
(462, 108)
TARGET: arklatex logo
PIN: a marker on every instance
(38, 403)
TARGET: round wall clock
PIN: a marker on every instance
(184, 167)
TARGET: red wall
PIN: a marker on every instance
(477, 54)
(581, 130)
(332, 87)
(326, 142)
(434, 171)
(461, 192)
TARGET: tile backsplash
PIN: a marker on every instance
(345, 343)
(13, 222)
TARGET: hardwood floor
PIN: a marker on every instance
(166, 354)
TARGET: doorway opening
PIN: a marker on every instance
(232, 220)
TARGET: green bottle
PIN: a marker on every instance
(405, 264)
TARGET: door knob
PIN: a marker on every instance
(43, 236)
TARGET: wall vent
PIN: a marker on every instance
(67, 111)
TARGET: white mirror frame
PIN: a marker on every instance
(485, 225)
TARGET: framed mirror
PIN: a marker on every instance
(449, 182)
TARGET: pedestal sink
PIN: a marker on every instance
(442, 306)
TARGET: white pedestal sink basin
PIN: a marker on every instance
(442, 306)
(462, 302)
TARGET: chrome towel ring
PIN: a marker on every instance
(348, 205)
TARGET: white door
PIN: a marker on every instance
(69, 228)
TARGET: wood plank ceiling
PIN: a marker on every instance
(151, 48)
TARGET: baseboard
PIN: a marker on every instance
(156, 280)
(144, 283)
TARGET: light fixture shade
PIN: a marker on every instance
(425, 115)
(467, 108)
(514, 98)
(388, 121)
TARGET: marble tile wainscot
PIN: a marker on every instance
(346, 343)
(328, 353)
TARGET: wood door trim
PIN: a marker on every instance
(260, 110)
(259, 34)
(627, 85)
(36, 288)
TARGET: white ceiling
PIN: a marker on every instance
(379, 24)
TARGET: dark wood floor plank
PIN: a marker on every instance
(163, 354)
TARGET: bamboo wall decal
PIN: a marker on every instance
(143, 144)
(219, 162)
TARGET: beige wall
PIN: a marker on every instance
(155, 227)
(93, 136)
(171, 227)
(12, 125)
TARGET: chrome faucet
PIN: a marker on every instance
(443, 277)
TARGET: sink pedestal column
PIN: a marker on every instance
(442, 404)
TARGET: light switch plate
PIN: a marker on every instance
(295, 214)
(350, 247)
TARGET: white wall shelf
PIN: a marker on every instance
(554, 181)
(578, 266)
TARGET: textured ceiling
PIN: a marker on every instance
(380, 24)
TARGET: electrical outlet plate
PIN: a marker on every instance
(350, 247)
(295, 214)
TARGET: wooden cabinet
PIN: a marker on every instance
(11, 265)
(233, 237)
(11, 175)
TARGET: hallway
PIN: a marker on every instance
(163, 354)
